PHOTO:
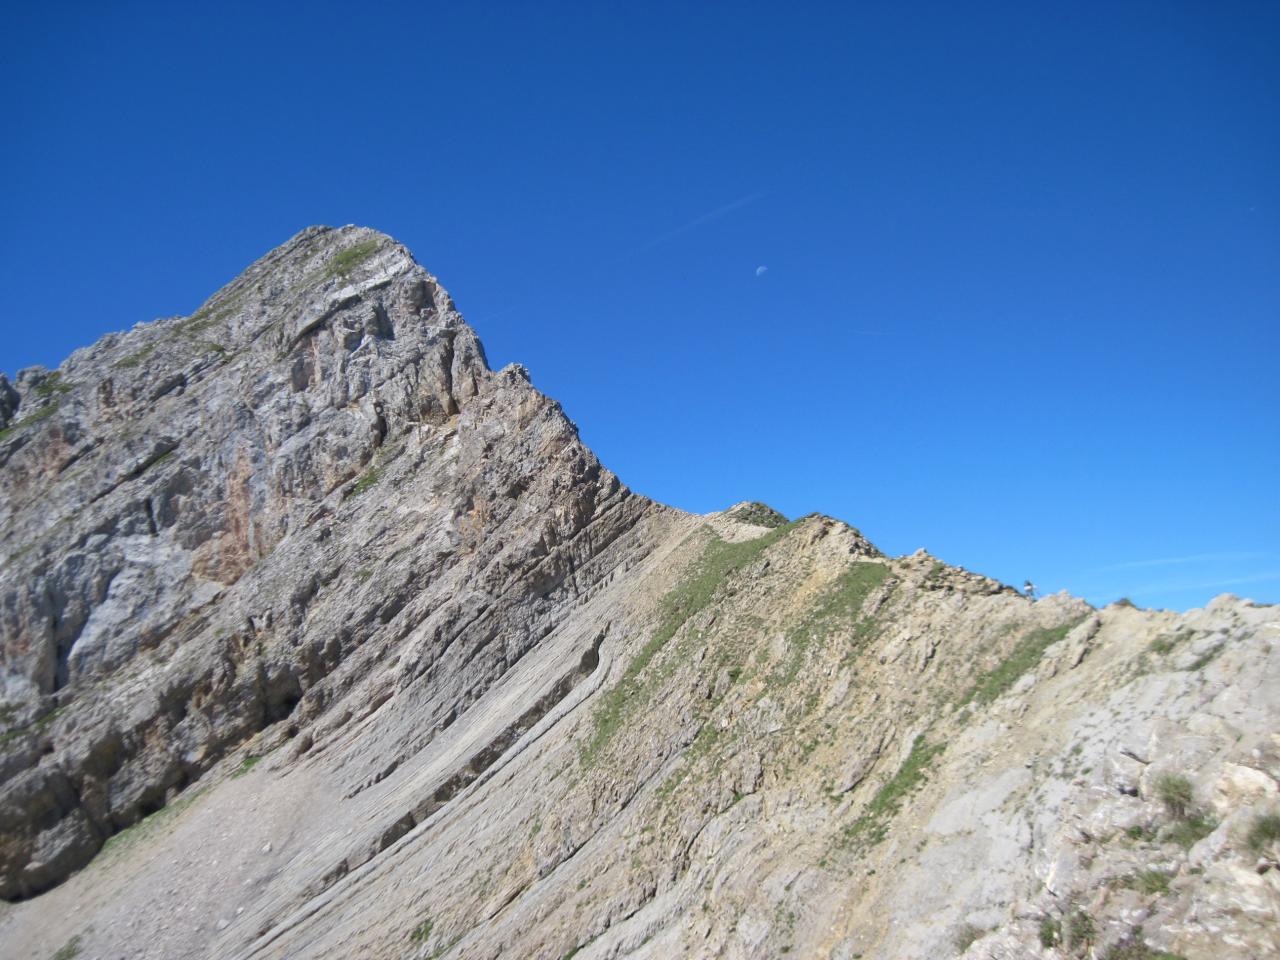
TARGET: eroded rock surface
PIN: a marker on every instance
(321, 639)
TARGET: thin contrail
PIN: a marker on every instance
(1208, 584)
(715, 214)
(1176, 561)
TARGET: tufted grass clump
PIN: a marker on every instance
(1175, 792)
(1147, 882)
(1080, 930)
(1050, 932)
(69, 950)
(1191, 825)
(1264, 833)
(1152, 883)
(1188, 832)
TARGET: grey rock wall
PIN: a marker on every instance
(199, 518)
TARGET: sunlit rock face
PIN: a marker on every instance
(318, 638)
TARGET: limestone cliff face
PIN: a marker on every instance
(219, 523)
(344, 645)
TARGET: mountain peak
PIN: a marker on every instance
(307, 613)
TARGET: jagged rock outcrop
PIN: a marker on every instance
(342, 644)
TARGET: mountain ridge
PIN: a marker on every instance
(302, 553)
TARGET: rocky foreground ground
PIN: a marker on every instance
(318, 638)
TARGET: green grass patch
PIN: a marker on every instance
(1187, 833)
(1151, 882)
(381, 460)
(838, 606)
(872, 825)
(1147, 882)
(1024, 656)
(1080, 929)
(719, 561)
(444, 948)
(1174, 791)
(44, 413)
(966, 936)
(367, 480)
(759, 514)
(207, 317)
(69, 950)
(1050, 932)
(148, 826)
(1164, 643)
(200, 321)
(211, 316)
(247, 764)
(1132, 948)
(41, 723)
(422, 932)
(1264, 832)
(163, 458)
(47, 720)
(846, 596)
(52, 385)
(703, 744)
(1207, 658)
(133, 359)
(347, 260)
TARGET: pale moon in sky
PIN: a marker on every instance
(761, 271)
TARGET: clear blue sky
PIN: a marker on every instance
(1022, 297)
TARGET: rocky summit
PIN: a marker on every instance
(319, 638)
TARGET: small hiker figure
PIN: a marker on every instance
(1029, 589)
